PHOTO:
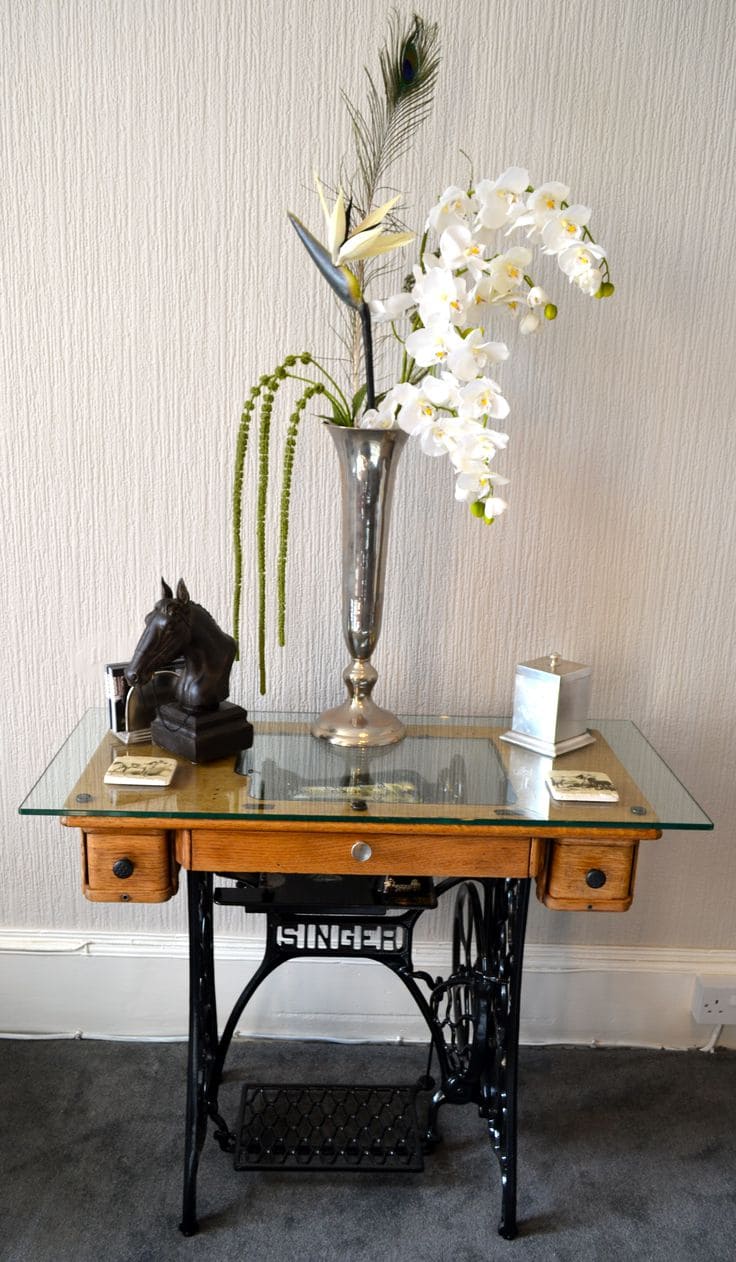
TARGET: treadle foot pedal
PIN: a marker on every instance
(372, 1129)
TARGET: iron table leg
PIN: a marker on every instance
(506, 911)
(202, 1036)
(474, 1020)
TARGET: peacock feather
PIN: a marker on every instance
(396, 109)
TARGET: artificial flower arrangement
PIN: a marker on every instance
(466, 274)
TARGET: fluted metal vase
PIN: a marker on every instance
(368, 459)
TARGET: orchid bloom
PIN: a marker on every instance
(506, 271)
(367, 239)
(564, 228)
(457, 282)
(418, 404)
(544, 202)
(470, 355)
(440, 295)
(483, 397)
(537, 300)
(500, 200)
(440, 435)
(386, 310)
(455, 206)
(434, 344)
(580, 265)
(471, 487)
(460, 248)
(382, 417)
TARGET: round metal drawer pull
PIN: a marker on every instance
(595, 878)
(123, 868)
(361, 851)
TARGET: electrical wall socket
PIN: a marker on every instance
(714, 1001)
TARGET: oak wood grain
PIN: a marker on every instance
(154, 876)
(410, 853)
(564, 885)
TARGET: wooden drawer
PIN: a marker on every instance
(128, 868)
(367, 851)
(588, 876)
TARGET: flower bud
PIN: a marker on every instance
(477, 509)
(607, 289)
(550, 311)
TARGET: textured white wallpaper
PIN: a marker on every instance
(149, 150)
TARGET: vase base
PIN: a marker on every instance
(359, 725)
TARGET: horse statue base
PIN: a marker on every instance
(203, 736)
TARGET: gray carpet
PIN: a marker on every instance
(623, 1154)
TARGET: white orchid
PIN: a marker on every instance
(440, 295)
(472, 484)
(537, 297)
(382, 417)
(480, 300)
(537, 301)
(446, 400)
(506, 271)
(455, 206)
(481, 398)
(460, 248)
(470, 355)
(540, 205)
(563, 228)
(500, 200)
(386, 310)
(580, 263)
(440, 434)
(493, 505)
(530, 322)
(417, 404)
(474, 489)
(434, 344)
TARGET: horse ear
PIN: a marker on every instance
(166, 591)
(181, 592)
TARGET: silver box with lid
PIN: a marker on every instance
(551, 700)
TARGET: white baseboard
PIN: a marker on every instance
(65, 984)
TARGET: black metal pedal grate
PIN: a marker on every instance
(328, 1128)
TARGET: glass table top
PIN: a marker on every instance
(446, 770)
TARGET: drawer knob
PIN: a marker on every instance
(595, 878)
(361, 851)
(123, 868)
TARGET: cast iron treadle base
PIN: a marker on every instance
(328, 1128)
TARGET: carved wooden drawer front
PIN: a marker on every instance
(128, 868)
(590, 876)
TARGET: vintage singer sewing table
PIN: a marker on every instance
(342, 852)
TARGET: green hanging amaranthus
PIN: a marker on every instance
(265, 391)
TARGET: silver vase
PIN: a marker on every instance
(368, 459)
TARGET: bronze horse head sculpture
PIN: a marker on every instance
(178, 627)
